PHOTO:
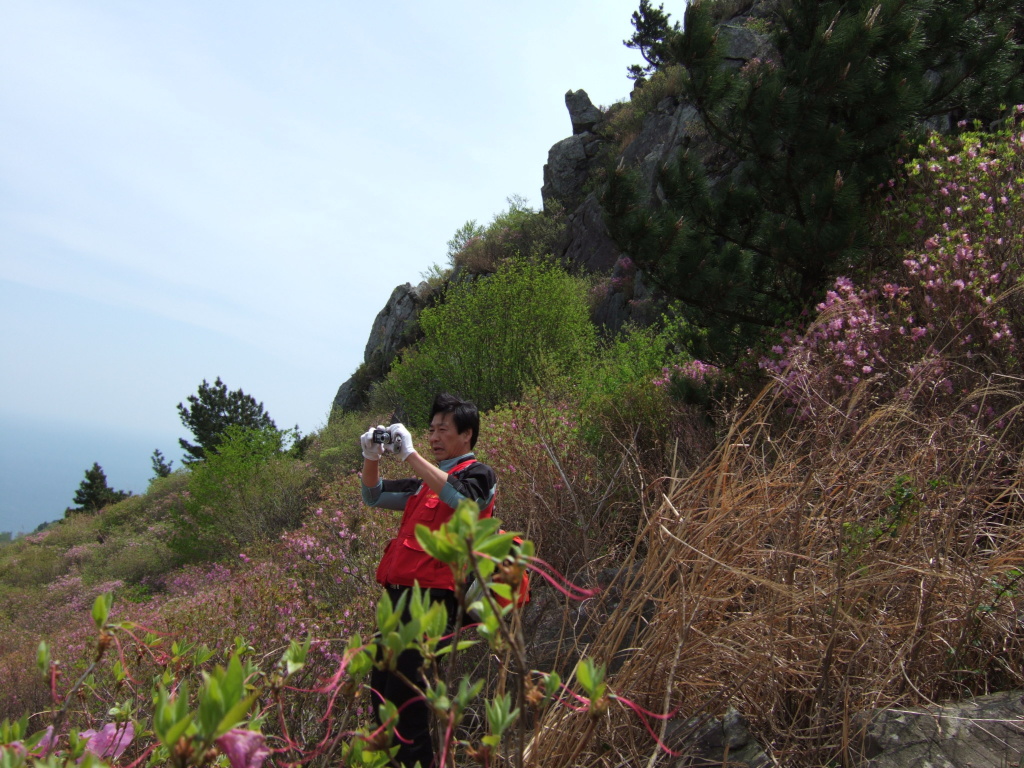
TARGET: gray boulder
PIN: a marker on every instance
(583, 114)
(674, 125)
(742, 43)
(715, 741)
(570, 163)
(401, 310)
(983, 731)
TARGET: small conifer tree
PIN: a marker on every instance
(161, 467)
(212, 410)
(93, 492)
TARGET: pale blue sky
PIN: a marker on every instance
(199, 189)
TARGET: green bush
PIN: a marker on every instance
(629, 400)
(142, 558)
(31, 564)
(519, 232)
(335, 450)
(77, 529)
(627, 118)
(491, 339)
(157, 503)
(246, 492)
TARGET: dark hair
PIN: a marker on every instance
(464, 414)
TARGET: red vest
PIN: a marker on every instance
(404, 561)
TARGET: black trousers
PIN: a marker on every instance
(414, 718)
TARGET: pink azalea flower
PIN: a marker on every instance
(110, 741)
(48, 741)
(244, 748)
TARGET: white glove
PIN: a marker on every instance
(401, 441)
(371, 451)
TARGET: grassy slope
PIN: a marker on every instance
(847, 545)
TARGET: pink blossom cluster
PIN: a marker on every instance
(849, 337)
(74, 594)
(192, 579)
(695, 370)
(77, 554)
(959, 215)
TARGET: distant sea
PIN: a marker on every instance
(42, 465)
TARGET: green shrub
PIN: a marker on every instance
(139, 512)
(77, 529)
(246, 492)
(492, 339)
(550, 486)
(31, 564)
(39, 558)
(519, 232)
(142, 558)
(626, 119)
(335, 449)
(635, 354)
(630, 401)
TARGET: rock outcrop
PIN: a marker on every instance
(573, 160)
(393, 328)
(988, 730)
(584, 115)
(572, 182)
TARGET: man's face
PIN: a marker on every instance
(445, 440)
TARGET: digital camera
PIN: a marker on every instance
(382, 436)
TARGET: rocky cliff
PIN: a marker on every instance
(573, 183)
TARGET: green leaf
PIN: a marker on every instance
(101, 609)
(502, 590)
(497, 546)
(176, 731)
(437, 544)
(462, 646)
(590, 676)
(294, 658)
(211, 708)
(202, 655)
(170, 715)
(233, 681)
(234, 715)
(361, 663)
(552, 683)
(384, 613)
(43, 659)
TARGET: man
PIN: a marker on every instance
(429, 498)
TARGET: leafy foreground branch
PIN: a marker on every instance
(187, 711)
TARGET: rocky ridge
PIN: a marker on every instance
(572, 183)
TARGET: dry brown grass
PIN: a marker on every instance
(812, 570)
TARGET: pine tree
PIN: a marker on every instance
(805, 140)
(93, 492)
(651, 32)
(161, 467)
(211, 411)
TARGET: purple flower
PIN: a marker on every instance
(244, 748)
(48, 741)
(110, 741)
